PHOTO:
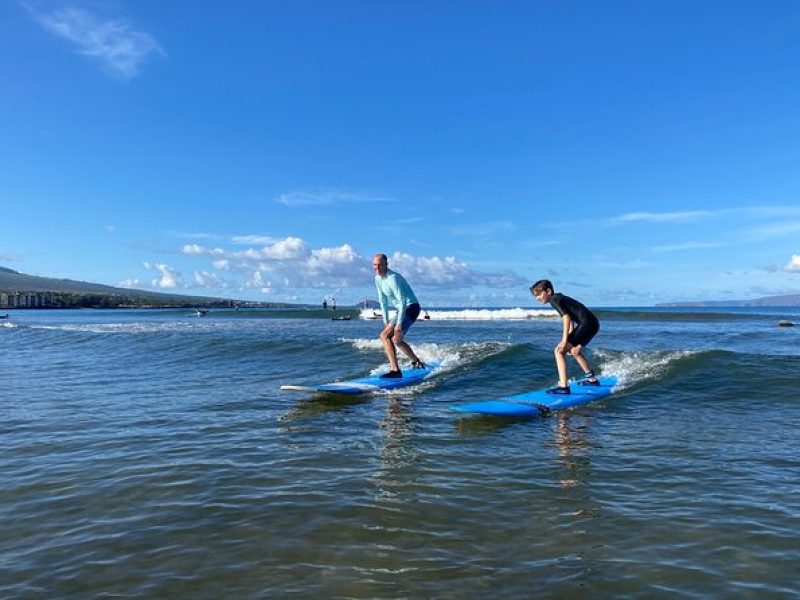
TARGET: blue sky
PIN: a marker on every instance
(632, 152)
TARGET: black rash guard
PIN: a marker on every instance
(585, 324)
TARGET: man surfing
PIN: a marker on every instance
(393, 286)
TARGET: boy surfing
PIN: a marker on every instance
(580, 325)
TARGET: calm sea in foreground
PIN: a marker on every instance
(151, 454)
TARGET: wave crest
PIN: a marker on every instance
(637, 367)
(475, 314)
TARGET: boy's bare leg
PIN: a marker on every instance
(561, 364)
(581, 359)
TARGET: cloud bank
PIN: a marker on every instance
(290, 263)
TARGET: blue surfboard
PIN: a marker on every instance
(531, 404)
(366, 385)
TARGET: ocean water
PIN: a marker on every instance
(151, 454)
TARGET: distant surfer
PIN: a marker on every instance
(580, 325)
(393, 287)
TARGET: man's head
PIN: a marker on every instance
(380, 264)
(542, 290)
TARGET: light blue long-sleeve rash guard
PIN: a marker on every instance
(394, 287)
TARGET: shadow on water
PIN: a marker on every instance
(479, 425)
(315, 405)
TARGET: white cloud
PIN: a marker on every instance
(778, 230)
(112, 42)
(769, 212)
(667, 217)
(194, 235)
(130, 283)
(256, 280)
(253, 239)
(449, 272)
(193, 249)
(793, 266)
(342, 265)
(169, 279)
(326, 197)
(685, 246)
(197, 250)
(291, 248)
(205, 279)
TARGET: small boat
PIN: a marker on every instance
(201, 312)
(3, 316)
(342, 318)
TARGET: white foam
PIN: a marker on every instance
(483, 314)
(116, 328)
(448, 356)
(635, 367)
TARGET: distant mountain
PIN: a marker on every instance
(774, 301)
(30, 291)
(368, 304)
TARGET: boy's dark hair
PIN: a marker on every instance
(541, 285)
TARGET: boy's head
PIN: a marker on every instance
(542, 290)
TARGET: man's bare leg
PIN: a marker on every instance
(388, 345)
(408, 351)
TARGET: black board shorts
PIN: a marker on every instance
(583, 333)
(410, 316)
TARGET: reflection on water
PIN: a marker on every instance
(397, 449)
(397, 452)
(572, 443)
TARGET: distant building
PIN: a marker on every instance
(27, 299)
